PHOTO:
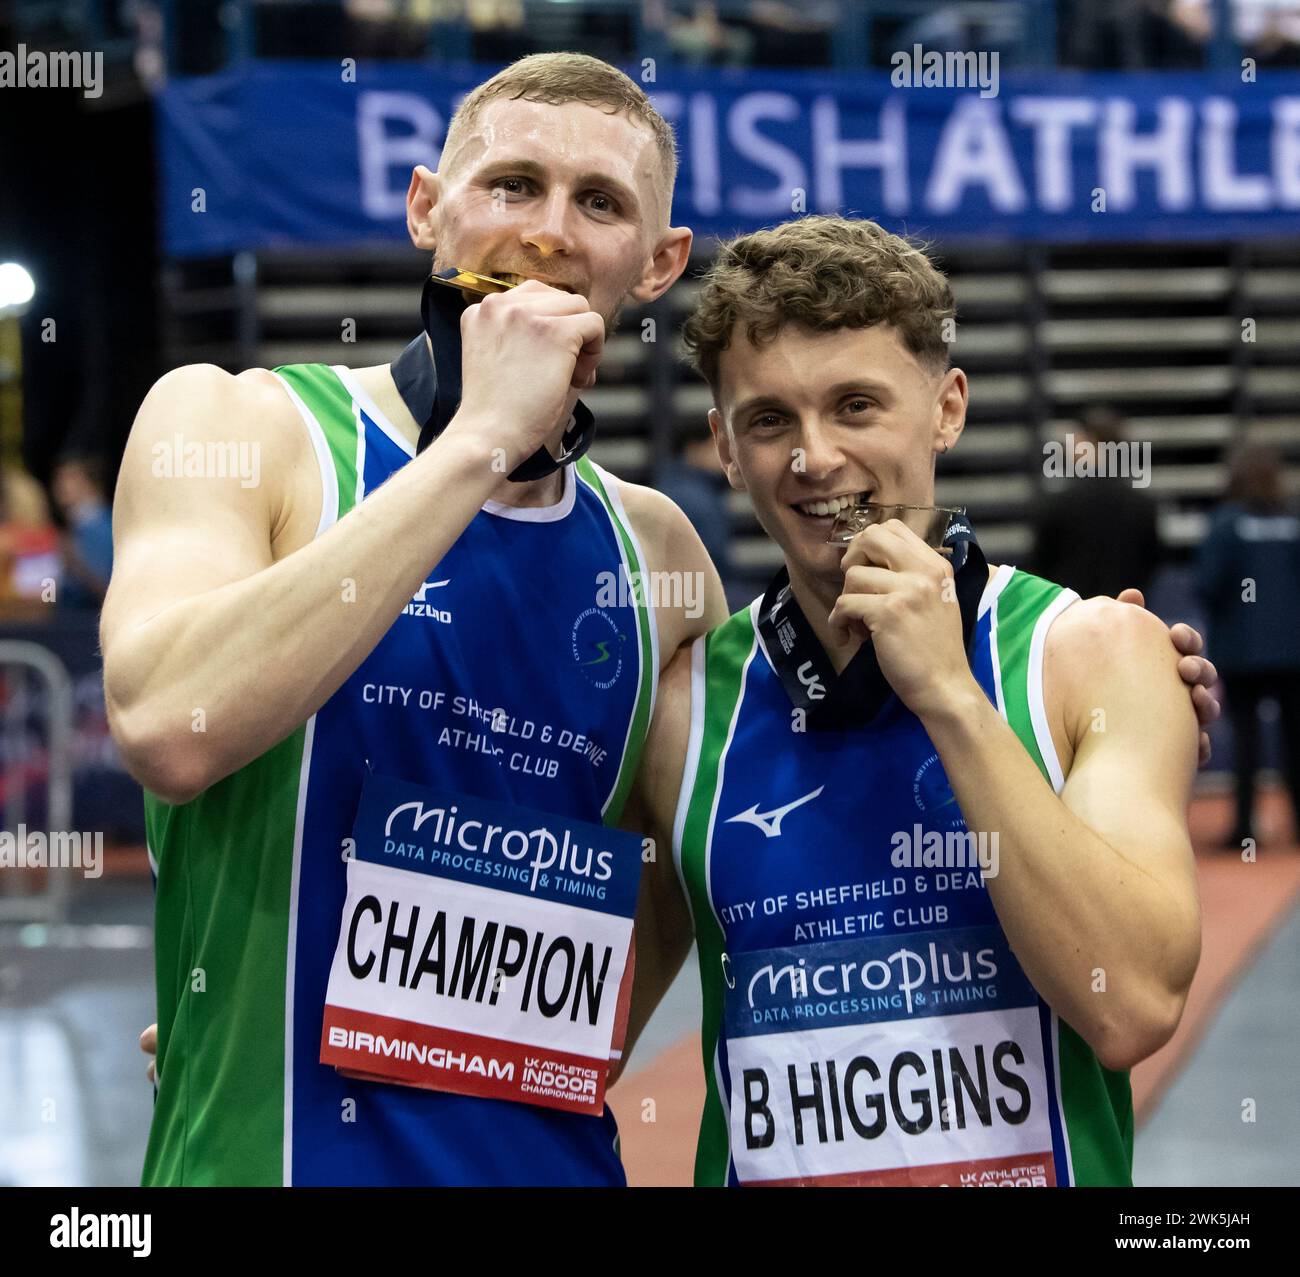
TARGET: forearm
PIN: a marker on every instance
(224, 675)
(1081, 916)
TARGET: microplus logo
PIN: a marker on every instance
(905, 971)
(75, 1231)
(565, 857)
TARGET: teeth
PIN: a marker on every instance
(831, 507)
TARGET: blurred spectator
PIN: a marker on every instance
(1097, 534)
(694, 480)
(967, 27)
(1174, 34)
(696, 34)
(1105, 35)
(78, 487)
(395, 28)
(29, 547)
(499, 31)
(1267, 30)
(1248, 571)
(793, 35)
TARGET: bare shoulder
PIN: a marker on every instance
(212, 426)
(1098, 628)
(1103, 655)
(215, 405)
(687, 590)
(656, 518)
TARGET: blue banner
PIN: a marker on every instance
(284, 154)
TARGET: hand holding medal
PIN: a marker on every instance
(929, 522)
(900, 593)
(483, 329)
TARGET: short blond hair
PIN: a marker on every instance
(557, 78)
(824, 273)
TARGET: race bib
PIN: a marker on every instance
(903, 1060)
(484, 949)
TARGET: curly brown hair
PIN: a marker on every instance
(557, 78)
(825, 273)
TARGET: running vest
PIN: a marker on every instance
(865, 1021)
(522, 671)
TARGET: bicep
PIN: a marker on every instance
(1135, 743)
(187, 517)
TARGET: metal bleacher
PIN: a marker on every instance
(1160, 332)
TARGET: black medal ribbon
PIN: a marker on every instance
(852, 698)
(431, 388)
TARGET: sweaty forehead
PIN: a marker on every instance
(570, 139)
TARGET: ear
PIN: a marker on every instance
(422, 198)
(950, 410)
(666, 264)
(722, 441)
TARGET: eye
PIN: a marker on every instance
(602, 203)
(511, 185)
(766, 421)
(859, 403)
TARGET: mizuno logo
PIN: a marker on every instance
(770, 821)
(418, 606)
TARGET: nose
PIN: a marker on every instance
(549, 233)
(822, 454)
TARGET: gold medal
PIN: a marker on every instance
(472, 285)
